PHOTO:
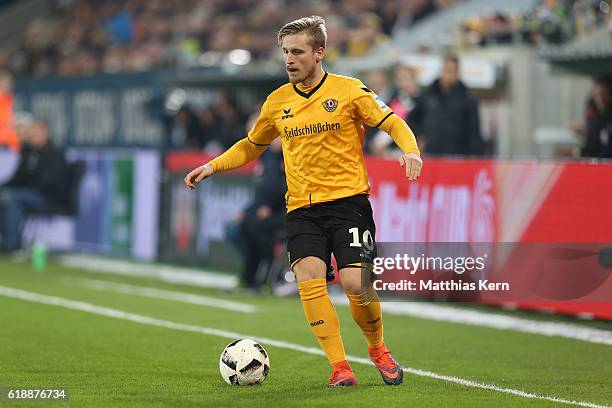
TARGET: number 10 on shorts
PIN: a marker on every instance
(367, 239)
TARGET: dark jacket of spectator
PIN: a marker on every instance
(187, 129)
(270, 185)
(44, 170)
(258, 227)
(598, 131)
(449, 120)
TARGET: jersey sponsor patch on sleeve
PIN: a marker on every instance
(380, 102)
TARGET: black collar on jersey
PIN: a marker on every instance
(312, 91)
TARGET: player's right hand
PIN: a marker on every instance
(198, 174)
(413, 164)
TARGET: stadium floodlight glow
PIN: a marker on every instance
(239, 56)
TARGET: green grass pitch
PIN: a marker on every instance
(111, 362)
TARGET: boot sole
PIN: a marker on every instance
(394, 381)
(344, 383)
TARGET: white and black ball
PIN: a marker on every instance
(244, 362)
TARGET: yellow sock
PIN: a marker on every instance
(365, 308)
(322, 317)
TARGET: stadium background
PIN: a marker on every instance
(142, 91)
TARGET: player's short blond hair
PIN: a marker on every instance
(314, 26)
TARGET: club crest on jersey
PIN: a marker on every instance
(330, 105)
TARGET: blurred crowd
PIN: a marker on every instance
(214, 127)
(85, 37)
(444, 116)
(40, 181)
(549, 22)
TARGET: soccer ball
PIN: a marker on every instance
(244, 362)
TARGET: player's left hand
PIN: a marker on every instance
(413, 164)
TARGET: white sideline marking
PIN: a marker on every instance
(155, 293)
(120, 314)
(492, 320)
(171, 274)
(193, 277)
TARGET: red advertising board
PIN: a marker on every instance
(491, 201)
(453, 201)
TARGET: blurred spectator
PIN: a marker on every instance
(8, 136)
(447, 115)
(187, 131)
(402, 103)
(38, 184)
(388, 12)
(495, 28)
(412, 11)
(229, 121)
(549, 21)
(408, 91)
(378, 81)
(337, 34)
(120, 27)
(23, 123)
(257, 228)
(367, 35)
(599, 121)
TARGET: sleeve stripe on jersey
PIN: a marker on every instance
(383, 119)
(258, 144)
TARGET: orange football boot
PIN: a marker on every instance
(343, 375)
(390, 371)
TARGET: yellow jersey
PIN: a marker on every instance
(322, 137)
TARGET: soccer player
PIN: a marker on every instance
(320, 117)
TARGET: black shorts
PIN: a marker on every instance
(344, 227)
